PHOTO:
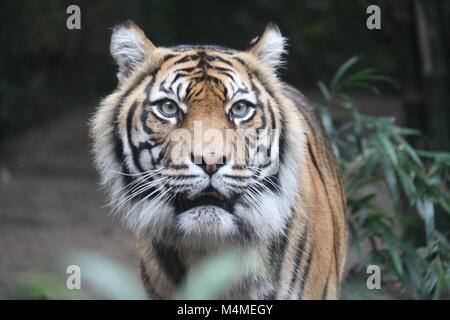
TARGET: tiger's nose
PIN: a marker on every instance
(210, 162)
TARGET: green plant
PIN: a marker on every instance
(377, 160)
(105, 278)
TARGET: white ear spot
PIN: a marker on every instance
(269, 46)
(129, 46)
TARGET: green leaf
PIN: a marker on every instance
(411, 152)
(407, 183)
(325, 92)
(394, 254)
(444, 156)
(373, 149)
(387, 148)
(211, 277)
(342, 70)
(107, 276)
(425, 207)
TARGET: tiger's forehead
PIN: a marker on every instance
(211, 48)
(186, 71)
(207, 58)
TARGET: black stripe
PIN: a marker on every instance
(263, 123)
(170, 262)
(194, 93)
(152, 81)
(118, 144)
(212, 58)
(188, 69)
(134, 150)
(118, 141)
(306, 272)
(278, 248)
(324, 292)
(280, 108)
(314, 161)
(169, 56)
(162, 88)
(255, 90)
(177, 76)
(240, 90)
(144, 118)
(242, 62)
(246, 232)
(148, 286)
(227, 75)
(298, 257)
(282, 139)
(179, 167)
(272, 115)
(191, 57)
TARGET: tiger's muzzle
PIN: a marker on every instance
(208, 197)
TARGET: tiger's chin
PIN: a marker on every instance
(206, 225)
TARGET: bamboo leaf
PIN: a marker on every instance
(341, 71)
(325, 92)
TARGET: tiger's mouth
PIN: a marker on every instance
(208, 197)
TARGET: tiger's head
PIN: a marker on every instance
(195, 145)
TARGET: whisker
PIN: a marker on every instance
(140, 190)
(149, 195)
(144, 176)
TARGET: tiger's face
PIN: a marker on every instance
(191, 143)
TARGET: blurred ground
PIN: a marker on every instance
(50, 201)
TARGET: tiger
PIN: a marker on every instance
(272, 188)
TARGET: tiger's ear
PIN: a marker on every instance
(269, 46)
(129, 47)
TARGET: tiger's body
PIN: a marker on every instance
(281, 198)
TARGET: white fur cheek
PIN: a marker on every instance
(145, 159)
(268, 218)
(206, 221)
(153, 216)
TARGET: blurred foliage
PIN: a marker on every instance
(47, 69)
(41, 286)
(105, 278)
(215, 274)
(372, 152)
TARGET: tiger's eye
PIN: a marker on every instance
(168, 108)
(240, 109)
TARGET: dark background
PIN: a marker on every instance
(52, 78)
(47, 69)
